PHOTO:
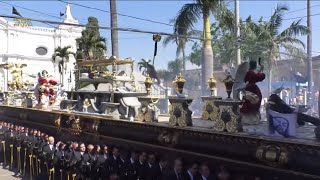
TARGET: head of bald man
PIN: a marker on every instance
(51, 140)
(90, 148)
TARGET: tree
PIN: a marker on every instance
(273, 39)
(60, 57)
(188, 15)
(91, 45)
(181, 44)
(143, 64)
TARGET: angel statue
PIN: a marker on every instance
(247, 76)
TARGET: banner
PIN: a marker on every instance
(282, 124)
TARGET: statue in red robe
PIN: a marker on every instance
(250, 109)
(46, 87)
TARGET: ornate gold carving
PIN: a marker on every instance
(75, 125)
(148, 111)
(148, 83)
(180, 115)
(179, 83)
(228, 82)
(210, 111)
(86, 105)
(212, 84)
(232, 124)
(57, 122)
(22, 22)
(205, 114)
(272, 155)
(95, 125)
(168, 138)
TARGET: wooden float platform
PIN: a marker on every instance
(285, 158)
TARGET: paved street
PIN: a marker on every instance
(6, 175)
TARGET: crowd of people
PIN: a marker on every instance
(32, 154)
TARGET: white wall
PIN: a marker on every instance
(18, 45)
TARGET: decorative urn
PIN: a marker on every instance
(212, 84)
(228, 82)
(148, 83)
(179, 83)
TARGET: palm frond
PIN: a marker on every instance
(295, 29)
(187, 17)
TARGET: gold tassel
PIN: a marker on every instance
(39, 166)
(11, 157)
(73, 176)
(68, 174)
(4, 153)
(25, 161)
(18, 160)
(30, 158)
(61, 172)
(51, 173)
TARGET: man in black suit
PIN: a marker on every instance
(89, 159)
(205, 173)
(142, 166)
(49, 150)
(154, 171)
(192, 170)
(99, 165)
(176, 173)
(77, 160)
(113, 161)
(124, 165)
(132, 168)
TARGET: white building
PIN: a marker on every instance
(34, 46)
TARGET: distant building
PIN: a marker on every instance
(34, 46)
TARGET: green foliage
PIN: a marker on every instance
(91, 45)
(63, 53)
(143, 64)
(258, 39)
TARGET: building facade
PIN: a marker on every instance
(34, 46)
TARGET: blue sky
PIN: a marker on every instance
(141, 45)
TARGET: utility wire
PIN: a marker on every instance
(31, 10)
(124, 15)
(109, 28)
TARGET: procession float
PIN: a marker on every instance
(286, 146)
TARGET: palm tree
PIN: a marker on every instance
(91, 45)
(181, 44)
(60, 57)
(143, 64)
(274, 40)
(185, 20)
(114, 25)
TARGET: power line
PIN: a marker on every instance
(31, 10)
(289, 12)
(109, 28)
(317, 14)
(124, 15)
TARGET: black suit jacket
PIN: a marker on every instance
(154, 172)
(171, 175)
(48, 154)
(142, 170)
(211, 177)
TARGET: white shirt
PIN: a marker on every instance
(81, 153)
(203, 178)
(190, 175)
(131, 160)
(51, 146)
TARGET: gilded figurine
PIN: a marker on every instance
(86, 105)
